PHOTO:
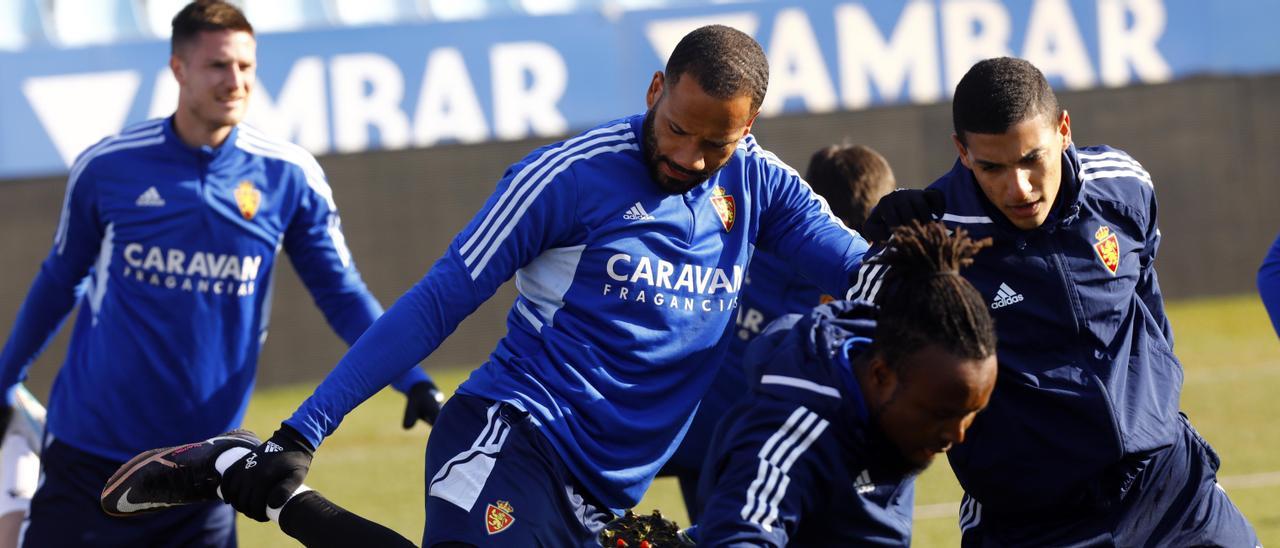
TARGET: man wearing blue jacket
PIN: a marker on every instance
(848, 403)
(851, 178)
(1082, 443)
(628, 243)
(167, 240)
(1269, 284)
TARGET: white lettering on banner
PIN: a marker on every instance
(367, 90)
(164, 95)
(664, 34)
(351, 102)
(910, 55)
(447, 105)
(299, 112)
(972, 30)
(519, 107)
(1134, 46)
(1053, 44)
(72, 122)
(796, 68)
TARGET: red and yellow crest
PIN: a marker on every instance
(248, 198)
(1107, 248)
(497, 517)
(725, 207)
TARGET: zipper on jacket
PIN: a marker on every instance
(1077, 312)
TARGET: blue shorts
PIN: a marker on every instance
(493, 479)
(1174, 500)
(65, 510)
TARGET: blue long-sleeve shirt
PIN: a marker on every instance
(1269, 284)
(626, 293)
(169, 250)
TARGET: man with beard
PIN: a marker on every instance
(849, 403)
(628, 244)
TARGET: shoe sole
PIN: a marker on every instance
(140, 461)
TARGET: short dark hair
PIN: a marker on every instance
(726, 62)
(924, 300)
(852, 178)
(997, 94)
(203, 16)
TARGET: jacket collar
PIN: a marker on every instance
(213, 156)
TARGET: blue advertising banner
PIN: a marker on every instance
(353, 89)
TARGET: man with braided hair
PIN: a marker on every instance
(849, 403)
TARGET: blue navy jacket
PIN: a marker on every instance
(1088, 383)
(798, 463)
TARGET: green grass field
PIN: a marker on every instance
(1231, 356)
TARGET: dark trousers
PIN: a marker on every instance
(1174, 501)
(493, 479)
(65, 510)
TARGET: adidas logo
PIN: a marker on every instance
(1005, 297)
(150, 198)
(637, 213)
(863, 484)
(272, 447)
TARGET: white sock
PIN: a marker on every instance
(229, 457)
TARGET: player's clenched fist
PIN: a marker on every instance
(268, 474)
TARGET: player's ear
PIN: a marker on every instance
(750, 123)
(883, 380)
(655, 89)
(961, 150)
(1064, 128)
(175, 65)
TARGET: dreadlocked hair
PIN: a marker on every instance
(925, 301)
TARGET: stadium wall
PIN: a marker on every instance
(1207, 142)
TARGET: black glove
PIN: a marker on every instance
(6, 414)
(424, 401)
(268, 474)
(900, 207)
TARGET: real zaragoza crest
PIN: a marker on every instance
(248, 198)
(497, 517)
(1107, 248)
(725, 207)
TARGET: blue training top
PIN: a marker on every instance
(626, 293)
(170, 251)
